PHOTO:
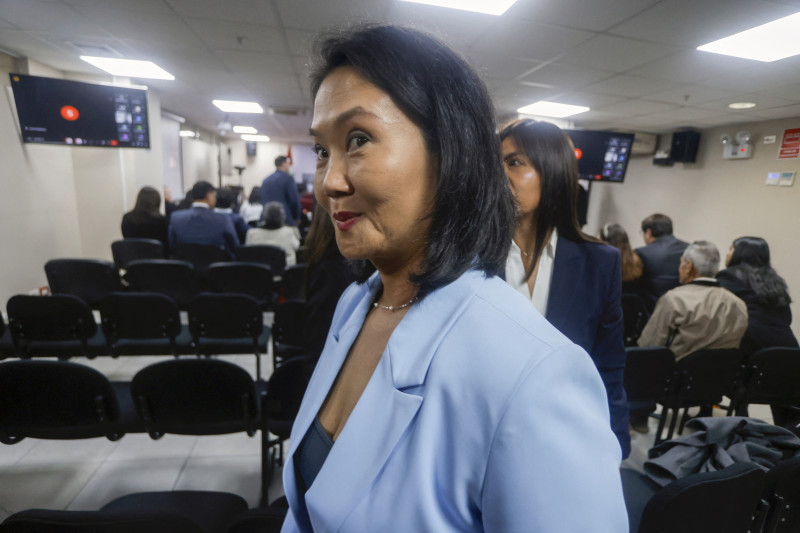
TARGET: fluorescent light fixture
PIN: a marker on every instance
(742, 105)
(131, 68)
(187, 133)
(232, 106)
(488, 7)
(768, 42)
(552, 109)
(256, 138)
(244, 129)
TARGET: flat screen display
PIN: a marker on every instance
(602, 155)
(74, 113)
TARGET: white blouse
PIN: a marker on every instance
(515, 273)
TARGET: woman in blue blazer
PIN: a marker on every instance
(442, 401)
(573, 279)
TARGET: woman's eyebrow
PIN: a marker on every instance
(345, 116)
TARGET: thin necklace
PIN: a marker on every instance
(394, 307)
(526, 254)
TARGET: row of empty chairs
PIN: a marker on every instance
(769, 376)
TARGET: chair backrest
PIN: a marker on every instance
(56, 400)
(704, 376)
(634, 317)
(782, 494)
(91, 280)
(647, 372)
(50, 521)
(285, 390)
(252, 279)
(289, 323)
(293, 283)
(701, 503)
(200, 255)
(61, 317)
(224, 316)
(195, 397)
(773, 377)
(139, 315)
(272, 256)
(126, 250)
(176, 279)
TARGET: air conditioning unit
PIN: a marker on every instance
(644, 143)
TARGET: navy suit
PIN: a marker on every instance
(281, 187)
(201, 225)
(660, 262)
(585, 304)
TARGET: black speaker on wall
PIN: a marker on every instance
(251, 149)
(684, 146)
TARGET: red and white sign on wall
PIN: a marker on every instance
(790, 146)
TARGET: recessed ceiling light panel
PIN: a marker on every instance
(187, 133)
(244, 129)
(232, 106)
(552, 109)
(256, 138)
(131, 68)
(488, 7)
(769, 42)
(742, 105)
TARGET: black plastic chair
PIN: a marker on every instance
(126, 250)
(288, 331)
(647, 375)
(721, 501)
(6, 344)
(272, 256)
(701, 379)
(61, 400)
(146, 512)
(176, 279)
(634, 317)
(781, 499)
(227, 324)
(252, 279)
(91, 280)
(199, 397)
(771, 376)
(293, 283)
(60, 326)
(143, 323)
(200, 255)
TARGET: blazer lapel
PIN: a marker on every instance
(567, 276)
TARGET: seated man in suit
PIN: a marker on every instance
(699, 314)
(225, 201)
(200, 224)
(660, 257)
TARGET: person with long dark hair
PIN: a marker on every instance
(750, 276)
(442, 401)
(571, 278)
(145, 220)
(631, 263)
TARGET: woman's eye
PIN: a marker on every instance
(513, 162)
(322, 154)
(357, 141)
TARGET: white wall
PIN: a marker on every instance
(200, 161)
(714, 199)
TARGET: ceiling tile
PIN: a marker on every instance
(635, 107)
(247, 63)
(615, 54)
(454, 27)
(301, 42)
(149, 6)
(588, 99)
(781, 112)
(316, 16)
(500, 67)
(6, 24)
(597, 15)
(690, 95)
(689, 66)
(684, 114)
(538, 42)
(237, 35)
(248, 11)
(563, 77)
(52, 18)
(154, 27)
(631, 86)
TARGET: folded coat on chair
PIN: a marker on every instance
(718, 442)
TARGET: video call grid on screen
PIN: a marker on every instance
(602, 155)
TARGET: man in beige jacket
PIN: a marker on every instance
(698, 314)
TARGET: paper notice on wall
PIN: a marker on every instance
(786, 179)
(790, 146)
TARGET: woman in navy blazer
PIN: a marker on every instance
(573, 279)
(442, 401)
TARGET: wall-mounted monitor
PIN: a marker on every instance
(602, 155)
(74, 113)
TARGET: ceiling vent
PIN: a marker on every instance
(89, 49)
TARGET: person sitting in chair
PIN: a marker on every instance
(200, 224)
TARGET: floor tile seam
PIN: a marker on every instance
(88, 481)
(183, 466)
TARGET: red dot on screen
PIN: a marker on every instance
(70, 113)
(578, 153)
(114, 142)
(597, 176)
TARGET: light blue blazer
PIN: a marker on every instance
(480, 416)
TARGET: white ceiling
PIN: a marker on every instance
(632, 61)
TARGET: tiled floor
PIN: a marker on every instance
(87, 474)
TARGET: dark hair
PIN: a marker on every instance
(616, 236)
(280, 160)
(148, 201)
(255, 196)
(552, 155)
(473, 211)
(200, 190)
(750, 262)
(658, 225)
(225, 198)
(274, 215)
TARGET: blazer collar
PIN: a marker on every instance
(386, 407)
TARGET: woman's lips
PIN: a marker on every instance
(346, 219)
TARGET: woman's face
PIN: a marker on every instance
(374, 173)
(525, 182)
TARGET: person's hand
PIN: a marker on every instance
(167, 194)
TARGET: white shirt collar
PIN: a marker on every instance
(201, 204)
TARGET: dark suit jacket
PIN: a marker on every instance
(766, 326)
(660, 262)
(143, 226)
(281, 187)
(200, 225)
